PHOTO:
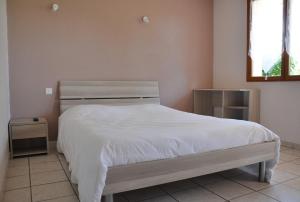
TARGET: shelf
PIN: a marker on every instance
(237, 107)
(27, 147)
(26, 152)
(240, 104)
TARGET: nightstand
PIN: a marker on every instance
(28, 137)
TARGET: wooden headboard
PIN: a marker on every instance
(74, 93)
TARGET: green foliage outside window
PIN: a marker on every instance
(276, 68)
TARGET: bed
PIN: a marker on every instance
(100, 131)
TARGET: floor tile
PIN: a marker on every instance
(287, 157)
(17, 171)
(18, 195)
(45, 167)
(161, 199)
(253, 197)
(178, 186)
(64, 199)
(208, 179)
(292, 152)
(196, 195)
(60, 156)
(281, 176)
(293, 184)
(51, 191)
(18, 162)
(250, 181)
(228, 189)
(17, 182)
(65, 166)
(48, 177)
(283, 193)
(297, 161)
(289, 167)
(281, 162)
(52, 150)
(143, 194)
(283, 148)
(43, 158)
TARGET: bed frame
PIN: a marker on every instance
(151, 173)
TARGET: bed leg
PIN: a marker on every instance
(262, 171)
(108, 198)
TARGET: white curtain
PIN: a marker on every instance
(266, 34)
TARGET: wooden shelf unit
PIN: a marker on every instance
(242, 104)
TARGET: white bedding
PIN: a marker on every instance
(95, 137)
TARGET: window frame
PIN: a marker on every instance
(285, 56)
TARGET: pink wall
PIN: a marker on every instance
(104, 40)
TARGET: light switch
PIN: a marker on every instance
(49, 91)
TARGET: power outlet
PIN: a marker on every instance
(49, 91)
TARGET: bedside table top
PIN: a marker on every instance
(27, 121)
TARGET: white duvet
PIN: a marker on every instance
(95, 137)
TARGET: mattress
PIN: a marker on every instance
(96, 137)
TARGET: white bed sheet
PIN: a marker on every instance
(95, 137)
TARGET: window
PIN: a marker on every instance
(273, 40)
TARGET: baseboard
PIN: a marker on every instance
(290, 145)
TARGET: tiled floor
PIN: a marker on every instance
(43, 178)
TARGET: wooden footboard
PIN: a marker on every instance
(151, 173)
(140, 175)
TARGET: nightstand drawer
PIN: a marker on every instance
(28, 131)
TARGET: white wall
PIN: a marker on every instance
(4, 95)
(280, 101)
